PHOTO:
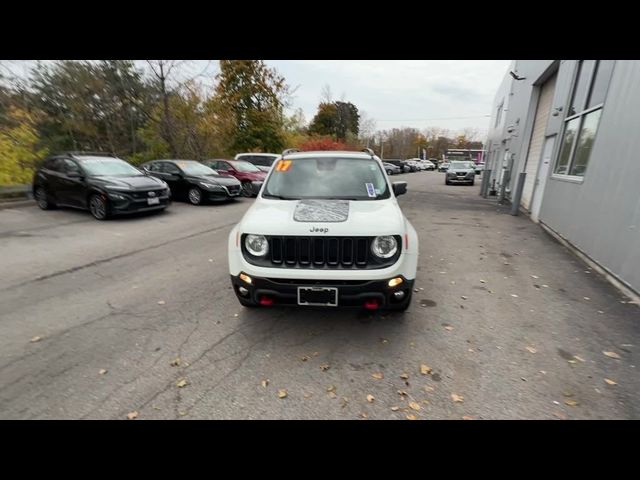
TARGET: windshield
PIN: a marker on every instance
(243, 166)
(327, 177)
(195, 168)
(108, 166)
(460, 165)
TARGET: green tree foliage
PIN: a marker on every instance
(19, 148)
(89, 106)
(248, 103)
(337, 119)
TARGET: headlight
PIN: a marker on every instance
(210, 186)
(257, 245)
(384, 246)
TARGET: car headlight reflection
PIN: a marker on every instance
(256, 245)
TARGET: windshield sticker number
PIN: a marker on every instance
(370, 190)
(283, 166)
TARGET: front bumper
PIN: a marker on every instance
(351, 293)
(460, 179)
(222, 194)
(122, 203)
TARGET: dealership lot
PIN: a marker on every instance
(102, 319)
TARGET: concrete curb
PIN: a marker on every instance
(16, 204)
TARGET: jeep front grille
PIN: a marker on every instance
(321, 253)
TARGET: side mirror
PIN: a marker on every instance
(399, 188)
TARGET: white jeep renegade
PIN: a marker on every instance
(325, 230)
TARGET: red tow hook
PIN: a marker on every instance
(371, 304)
(266, 301)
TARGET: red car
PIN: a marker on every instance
(244, 171)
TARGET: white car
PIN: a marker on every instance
(325, 230)
(261, 160)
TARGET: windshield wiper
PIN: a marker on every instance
(278, 197)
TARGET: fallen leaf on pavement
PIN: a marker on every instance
(545, 286)
(315, 354)
(102, 371)
(586, 298)
(532, 350)
(425, 369)
(571, 403)
(36, 339)
(364, 415)
(265, 383)
(610, 382)
(612, 354)
(457, 398)
(534, 276)
(370, 398)
(411, 416)
(161, 302)
(324, 367)
(463, 297)
(483, 281)
(182, 383)
(448, 327)
(467, 417)
(402, 393)
(384, 340)
(282, 393)
(132, 415)
(395, 409)
(572, 361)
(580, 359)
(514, 295)
(378, 375)
(332, 395)
(428, 389)
(404, 376)
(176, 362)
(331, 388)
(305, 358)
(560, 415)
(414, 406)
(344, 402)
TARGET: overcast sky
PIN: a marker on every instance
(452, 94)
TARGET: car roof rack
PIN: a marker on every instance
(369, 151)
(290, 150)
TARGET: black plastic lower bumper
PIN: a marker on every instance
(130, 207)
(351, 293)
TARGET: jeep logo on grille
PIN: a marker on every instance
(152, 194)
(318, 230)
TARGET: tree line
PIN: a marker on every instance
(158, 111)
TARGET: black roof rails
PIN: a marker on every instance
(87, 154)
(290, 150)
(369, 151)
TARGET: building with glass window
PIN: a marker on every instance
(564, 142)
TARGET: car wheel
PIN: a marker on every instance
(195, 196)
(472, 183)
(42, 198)
(98, 207)
(247, 189)
(389, 172)
(447, 182)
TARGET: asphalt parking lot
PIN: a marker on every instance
(136, 316)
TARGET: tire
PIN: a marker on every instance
(194, 195)
(98, 207)
(389, 172)
(473, 183)
(42, 198)
(247, 190)
(446, 182)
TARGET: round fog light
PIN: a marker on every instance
(243, 291)
(399, 295)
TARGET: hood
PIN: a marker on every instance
(133, 182)
(225, 180)
(339, 217)
(461, 170)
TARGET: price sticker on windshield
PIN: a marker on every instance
(283, 166)
(370, 190)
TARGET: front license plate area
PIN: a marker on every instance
(153, 201)
(320, 296)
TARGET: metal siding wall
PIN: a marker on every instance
(601, 216)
